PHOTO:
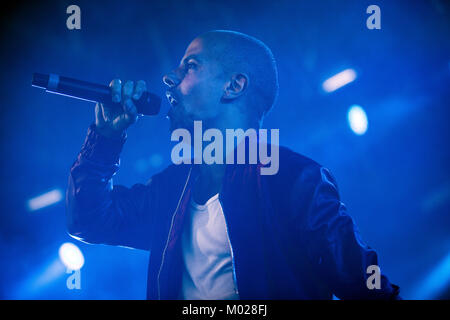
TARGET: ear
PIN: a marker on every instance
(236, 86)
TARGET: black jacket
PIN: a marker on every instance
(290, 235)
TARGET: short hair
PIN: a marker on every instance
(244, 53)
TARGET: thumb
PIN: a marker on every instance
(123, 121)
(99, 119)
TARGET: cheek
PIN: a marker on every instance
(188, 85)
(198, 93)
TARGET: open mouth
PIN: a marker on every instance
(171, 98)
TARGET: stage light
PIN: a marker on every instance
(45, 200)
(435, 282)
(357, 119)
(339, 80)
(71, 256)
(156, 160)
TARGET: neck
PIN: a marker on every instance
(212, 172)
(230, 119)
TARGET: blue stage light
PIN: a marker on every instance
(339, 80)
(435, 282)
(71, 256)
(357, 119)
(156, 160)
(45, 200)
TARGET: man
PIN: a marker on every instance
(221, 231)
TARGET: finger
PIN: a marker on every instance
(131, 118)
(116, 90)
(108, 113)
(139, 88)
(124, 120)
(105, 113)
(127, 90)
(99, 120)
(129, 107)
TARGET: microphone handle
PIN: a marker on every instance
(148, 104)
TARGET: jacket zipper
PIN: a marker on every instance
(231, 249)
(170, 231)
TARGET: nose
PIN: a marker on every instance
(171, 80)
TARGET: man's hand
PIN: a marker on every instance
(113, 119)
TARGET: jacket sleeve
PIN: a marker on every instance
(97, 211)
(332, 239)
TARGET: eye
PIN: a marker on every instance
(190, 65)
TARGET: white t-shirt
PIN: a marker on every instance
(208, 269)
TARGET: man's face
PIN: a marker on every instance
(195, 87)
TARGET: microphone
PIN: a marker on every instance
(149, 103)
